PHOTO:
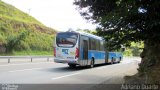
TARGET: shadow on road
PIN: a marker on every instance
(77, 68)
(66, 69)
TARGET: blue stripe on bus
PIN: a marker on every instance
(114, 55)
(98, 55)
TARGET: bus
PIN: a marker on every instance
(83, 49)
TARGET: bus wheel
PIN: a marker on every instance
(72, 65)
(92, 63)
(119, 59)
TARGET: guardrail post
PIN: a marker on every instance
(31, 59)
(8, 60)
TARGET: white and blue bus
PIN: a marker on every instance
(79, 48)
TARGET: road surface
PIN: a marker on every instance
(49, 75)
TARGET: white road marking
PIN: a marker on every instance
(65, 76)
(25, 70)
(25, 64)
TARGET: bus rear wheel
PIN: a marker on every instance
(92, 63)
(119, 60)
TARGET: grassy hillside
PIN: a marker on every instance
(20, 32)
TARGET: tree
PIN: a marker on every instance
(121, 22)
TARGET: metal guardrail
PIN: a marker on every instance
(9, 58)
(26, 57)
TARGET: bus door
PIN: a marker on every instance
(84, 50)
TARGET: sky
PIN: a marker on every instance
(57, 14)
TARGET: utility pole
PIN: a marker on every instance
(29, 10)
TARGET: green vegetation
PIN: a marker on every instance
(12, 13)
(22, 34)
(135, 49)
(33, 52)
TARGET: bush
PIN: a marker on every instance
(14, 40)
(2, 39)
(128, 52)
(22, 46)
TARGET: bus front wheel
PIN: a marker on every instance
(92, 63)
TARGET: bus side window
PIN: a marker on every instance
(93, 44)
(90, 45)
(101, 46)
(98, 45)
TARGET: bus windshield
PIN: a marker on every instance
(66, 39)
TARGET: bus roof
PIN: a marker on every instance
(86, 34)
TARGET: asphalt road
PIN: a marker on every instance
(55, 76)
